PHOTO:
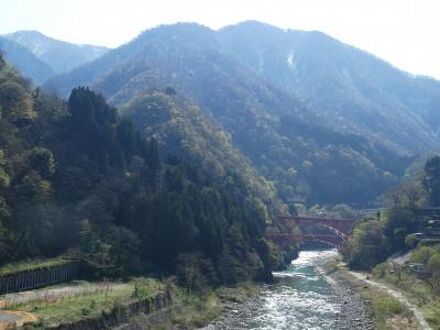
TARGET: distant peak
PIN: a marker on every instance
(27, 33)
(254, 25)
(185, 33)
(179, 27)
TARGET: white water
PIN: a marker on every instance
(303, 299)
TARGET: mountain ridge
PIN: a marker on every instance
(60, 55)
(28, 64)
(254, 109)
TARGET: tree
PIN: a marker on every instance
(397, 224)
(127, 138)
(153, 159)
(42, 160)
(434, 264)
(431, 180)
(2, 61)
(368, 247)
(16, 102)
(422, 254)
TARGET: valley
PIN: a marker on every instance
(217, 179)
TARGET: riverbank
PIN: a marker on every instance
(303, 297)
(385, 310)
(84, 305)
(354, 312)
(421, 291)
(315, 291)
(72, 305)
(196, 310)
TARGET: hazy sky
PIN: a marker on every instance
(403, 32)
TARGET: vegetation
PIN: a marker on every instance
(55, 309)
(384, 308)
(386, 311)
(194, 311)
(395, 229)
(33, 264)
(400, 228)
(59, 56)
(306, 151)
(76, 175)
(29, 66)
(421, 289)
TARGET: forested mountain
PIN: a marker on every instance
(308, 144)
(28, 65)
(184, 130)
(75, 175)
(351, 90)
(60, 56)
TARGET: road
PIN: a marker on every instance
(398, 295)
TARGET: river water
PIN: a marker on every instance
(301, 299)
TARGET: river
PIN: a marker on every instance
(301, 299)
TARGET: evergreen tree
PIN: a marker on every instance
(432, 180)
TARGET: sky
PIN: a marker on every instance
(405, 33)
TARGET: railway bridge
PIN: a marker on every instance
(341, 230)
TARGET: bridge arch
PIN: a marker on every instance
(341, 228)
(333, 240)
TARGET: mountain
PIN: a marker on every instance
(28, 65)
(326, 137)
(186, 131)
(351, 90)
(60, 56)
(76, 176)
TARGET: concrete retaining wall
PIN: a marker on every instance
(39, 277)
(119, 314)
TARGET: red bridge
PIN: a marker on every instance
(334, 240)
(341, 228)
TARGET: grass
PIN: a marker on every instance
(432, 314)
(417, 290)
(30, 265)
(188, 311)
(192, 310)
(383, 307)
(90, 304)
(195, 310)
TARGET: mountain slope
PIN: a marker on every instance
(294, 145)
(185, 130)
(353, 90)
(28, 65)
(75, 175)
(59, 55)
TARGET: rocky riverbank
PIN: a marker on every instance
(368, 307)
(302, 297)
(354, 312)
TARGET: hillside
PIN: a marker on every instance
(60, 56)
(22, 59)
(76, 176)
(291, 142)
(184, 130)
(351, 90)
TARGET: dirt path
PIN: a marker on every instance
(12, 319)
(398, 295)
